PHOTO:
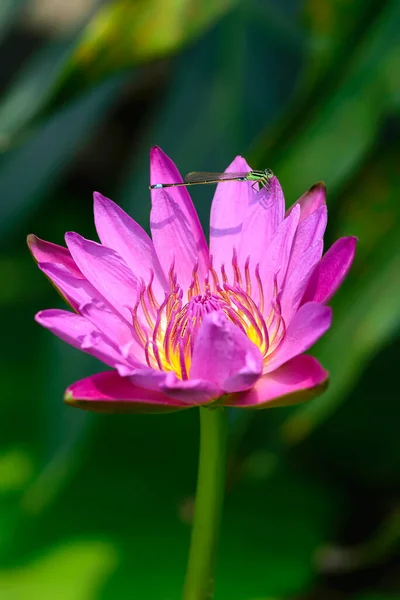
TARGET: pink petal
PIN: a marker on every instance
(87, 301)
(163, 170)
(119, 231)
(276, 255)
(190, 391)
(311, 200)
(75, 290)
(116, 329)
(106, 271)
(298, 380)
(224, 355)
(310, 322)
(108, 392)
(46, 252)
(80, 333)
(229, 206)
(330, 272)
(297, 280)
(309, 232)
(173, 238)
(263, 217)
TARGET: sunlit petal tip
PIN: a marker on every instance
(47, 252)
(320, 186)
(162, 167)
(31, 241)
(311, 200)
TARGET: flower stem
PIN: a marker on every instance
(199, 583)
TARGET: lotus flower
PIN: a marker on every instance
(182, 324)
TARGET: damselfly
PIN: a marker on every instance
(201, 178)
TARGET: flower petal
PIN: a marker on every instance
(298, 380)
(229, 206)
(116, 329)
(119, 231)
(173, 238)
(191, 391)
(80, 333)
(163, 170)
(46, 252)
(311, 200)
(74, 290)
(297, 280)
(310, 322)
(309, 232)
(109, 393)
(276, 255)
(224, 355)
(330, 272)
(106, 271)
(263, 217)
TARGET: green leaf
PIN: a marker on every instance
(16, 469)
(27, 172)
(31, 88)
(75, 569)
(123, 33)
(335, 139)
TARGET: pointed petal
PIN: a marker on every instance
(173, 238)
(46, 252)
(106, 271)
(263, 217)
(121, 233)
(224, 355)
(275, 259)
(311, 200)
(80, 333)
(109, 393)
(297, 281)
(310, 322)
(331, 271)
(299, 380)
(74, 290)
(309, 231)
(163, 170)
(229, 206)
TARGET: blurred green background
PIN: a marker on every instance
(99, 507)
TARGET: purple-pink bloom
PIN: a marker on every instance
(185, 324)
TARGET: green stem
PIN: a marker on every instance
(199, 583)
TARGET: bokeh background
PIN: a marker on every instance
(96, 507)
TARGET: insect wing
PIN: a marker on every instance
(204, 177)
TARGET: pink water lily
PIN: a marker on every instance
(182, 324)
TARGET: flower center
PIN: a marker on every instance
(168, 331)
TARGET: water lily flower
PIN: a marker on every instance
(185, 324)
